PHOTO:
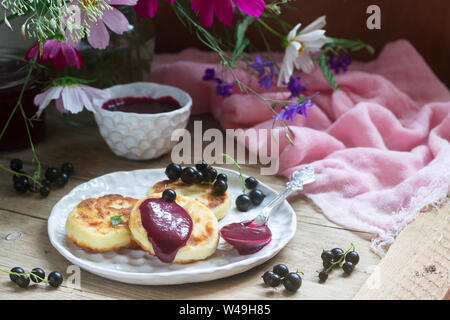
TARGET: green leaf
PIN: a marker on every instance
(241, 41)
(353, 45)
(327, 73)
(116, 220)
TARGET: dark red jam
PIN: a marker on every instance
(246, 237)
(168, 227)
(142, 105)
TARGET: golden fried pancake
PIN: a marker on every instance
(203, 240)
(204, 193)
(90, 227)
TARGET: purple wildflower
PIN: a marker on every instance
(221, 89)
(260, 67)
(290, 111)
(295, 87)
(339, 61)
(210, 74)
(224, 90)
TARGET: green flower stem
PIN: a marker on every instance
(24, 274)
(239, 168)
(352, 248)
(265, 25)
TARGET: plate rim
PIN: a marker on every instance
(91, 266)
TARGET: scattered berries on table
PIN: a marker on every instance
(251, 183)
(169, 195)
(352, 257)
(348, 267)
(243, 203)
(271, 279)
(51, 174)
(67, 168)
(173, 171)
(337, 257)
(280, 274)
(22, 182)
(281, 270)
(16, 164)
(37, 275)
(55, 279)
(292, 281)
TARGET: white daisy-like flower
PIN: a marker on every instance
(71, 98)
(300, 46)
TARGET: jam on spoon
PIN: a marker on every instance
(251, 236)
(168, 226)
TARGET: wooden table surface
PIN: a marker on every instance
(24, 240)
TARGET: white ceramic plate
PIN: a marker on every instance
(138, 267)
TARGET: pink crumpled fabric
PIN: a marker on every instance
(379, 145)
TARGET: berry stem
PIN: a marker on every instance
(239, 168)
(25, 274)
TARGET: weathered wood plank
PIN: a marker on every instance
(417, 265)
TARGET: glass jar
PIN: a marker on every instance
(13, 73)
(127, 58)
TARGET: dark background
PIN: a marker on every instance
(425, 23)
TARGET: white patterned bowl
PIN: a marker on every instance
(142, 136)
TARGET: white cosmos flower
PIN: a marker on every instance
(71, 98)
(300, 46)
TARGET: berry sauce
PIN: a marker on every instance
(246, 237)
(142, 105)
(168, 226)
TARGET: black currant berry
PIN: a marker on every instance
(327, 255)
(222, 176)
(243, 202)
(327, 264)
(38, 272)
(352, 257)
(169, 195)
(14, 277)
(292, 281)
(45, 191)
(55, 279)
(67, 168)
(257, 196)
(188, 175)
(33, 187)
(323, 276)
(173, 171)
(210, 174)
(202, 165)
(46, 183)
(271, 279)
(348, 267)
(16, 164)
(23, 281)
(21, 184)
(281, 270)
(251, 183)
(62, 179)
(51, 174)
(220, 186)
(337, 253)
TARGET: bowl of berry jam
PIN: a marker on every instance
(138, 119)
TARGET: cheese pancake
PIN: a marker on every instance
(90, 226)
(204, 193)
(204, 237)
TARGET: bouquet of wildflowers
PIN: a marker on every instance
(58, 26)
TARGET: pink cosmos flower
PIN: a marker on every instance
(59, 52)
(224, 9)
(147, 8)
(98, 36)
(70, 98)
